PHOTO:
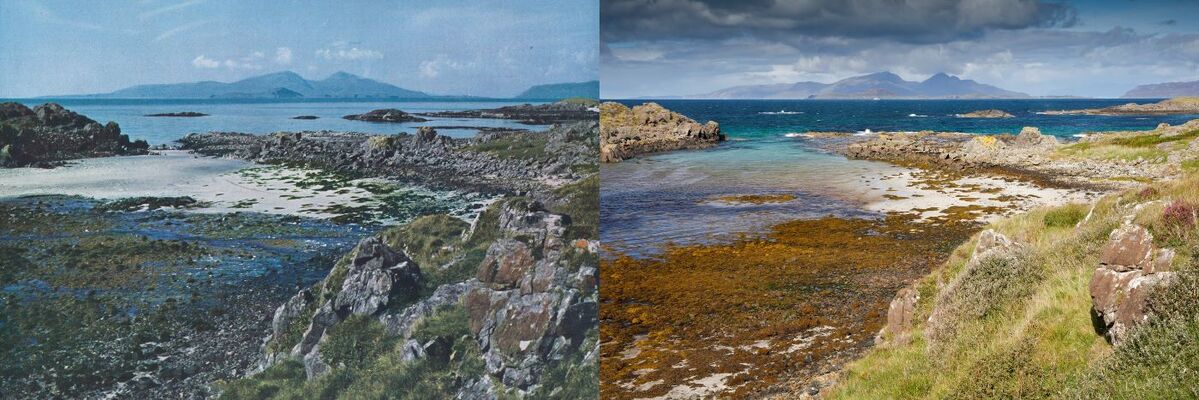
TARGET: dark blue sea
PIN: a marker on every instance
(648, 201)
(267, 116)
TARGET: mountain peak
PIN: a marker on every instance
(884, 76)
(941, 76)
(343, 75)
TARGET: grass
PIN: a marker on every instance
(1112, 151)
(579, 201)
(1033, 337)
(1066, 216)
(1130, 148)
(589, 102)
(521, 146)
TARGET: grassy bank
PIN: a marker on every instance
(1022, 328)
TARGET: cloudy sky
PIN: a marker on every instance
(1085, 48)
(486, 48)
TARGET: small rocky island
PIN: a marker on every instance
(305, 117)
(385, 115)
(184, 114)
(1174, 106)
(49, 134)
(650, 128)
(992, 113)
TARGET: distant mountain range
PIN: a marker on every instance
(882, 85)
(1164, 90)
(589, 89)
(289, 85)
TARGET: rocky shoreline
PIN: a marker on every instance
(1174, 106)
(483, 163)
(49, 134)
(650, 128)
(1097, 161)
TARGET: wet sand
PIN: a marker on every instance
(220, 185)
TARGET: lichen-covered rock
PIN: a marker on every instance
(529, 308)
(1130, 269)
(900, 313)
(650, 128)
(373, 276)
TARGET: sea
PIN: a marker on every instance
(648, 202)
(267, 116)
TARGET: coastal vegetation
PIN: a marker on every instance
(1036, 338)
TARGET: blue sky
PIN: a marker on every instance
(1043, 47)
(484, 48)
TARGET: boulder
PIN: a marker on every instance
(897, 331)
(1130, 269)
(375, 274)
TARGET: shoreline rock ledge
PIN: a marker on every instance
(650, 128)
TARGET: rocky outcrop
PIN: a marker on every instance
(427, 158)
(385, 115)
(530, 309)
(364, 286)
(49, 134)
(992, 113)
(305, 117)
(540, 114)
(530, 305)
(1130, 269)
(650, 128)
(970, 293)
(1177, 105)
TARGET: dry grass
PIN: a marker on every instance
(1035, 339)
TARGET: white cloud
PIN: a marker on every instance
(342, 52)
(283, 56)
(433, 68)
(251, 62)
(204, 62)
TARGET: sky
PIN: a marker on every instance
(461, 47)
(1044, 48)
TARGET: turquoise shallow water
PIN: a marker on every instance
(252, 116)
(649, 201)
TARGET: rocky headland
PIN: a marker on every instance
(650, 128)
(49, 134)
(385, 115)
(1173, 106)
(541, 114)
(986, 114)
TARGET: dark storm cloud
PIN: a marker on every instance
(923, 21)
